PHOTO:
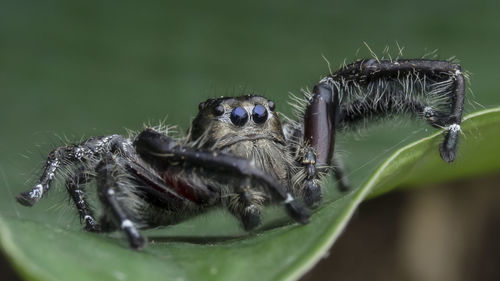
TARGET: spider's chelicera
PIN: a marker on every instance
(239, 155)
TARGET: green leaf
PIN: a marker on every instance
(211, 247)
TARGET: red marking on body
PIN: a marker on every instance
(181, 186)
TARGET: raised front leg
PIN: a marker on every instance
(434, 90)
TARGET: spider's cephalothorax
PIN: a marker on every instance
(239, 155)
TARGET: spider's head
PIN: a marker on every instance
(225, 121)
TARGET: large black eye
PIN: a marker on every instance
(239, 116)
(259, 114)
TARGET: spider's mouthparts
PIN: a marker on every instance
(251, 137)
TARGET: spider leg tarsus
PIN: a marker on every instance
(136, 240)
(448, 147)
(297, 211)
(91, 224)
(25, 198)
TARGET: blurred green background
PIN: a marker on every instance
(70, 70)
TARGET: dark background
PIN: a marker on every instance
(70, 70)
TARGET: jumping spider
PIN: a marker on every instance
(238, 154)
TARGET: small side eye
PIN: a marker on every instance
(218, 110)
(271, 105)
(259, 114)
(201, 106)
(239, 116)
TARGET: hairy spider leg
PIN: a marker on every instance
(64, 156)
(373, 88)
(55, 159)
(74, 188)
(108, 188)
(161, 150)
(82, 159)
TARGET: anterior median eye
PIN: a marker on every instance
(239, 116)
(259, 114)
